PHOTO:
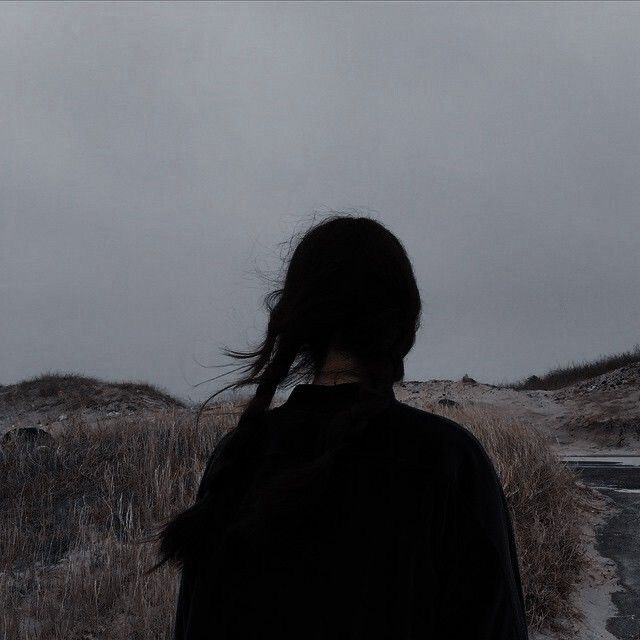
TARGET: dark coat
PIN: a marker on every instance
(415, 540)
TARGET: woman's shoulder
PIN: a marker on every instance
(427, 436)
(459, 459)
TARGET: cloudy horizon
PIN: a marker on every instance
(155, 155)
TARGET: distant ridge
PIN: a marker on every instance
(52, 397)
(578, 371)
(586, 405)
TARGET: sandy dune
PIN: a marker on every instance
(602, 413)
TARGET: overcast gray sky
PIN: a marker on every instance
(154, 154)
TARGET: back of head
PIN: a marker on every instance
(349, 287)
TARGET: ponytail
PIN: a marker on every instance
(223, 505)
(229, 466)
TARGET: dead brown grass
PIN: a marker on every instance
(73, 391)
(72, 518)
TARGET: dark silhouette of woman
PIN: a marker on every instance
(344, 513)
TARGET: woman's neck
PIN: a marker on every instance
(338, 367)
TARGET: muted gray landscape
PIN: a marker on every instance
(156, 161)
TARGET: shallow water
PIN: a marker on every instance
(618, 477)
(603, 460)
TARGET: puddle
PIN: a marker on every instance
(603, 460)
(618, 490)
(618, 476)
(617, 472)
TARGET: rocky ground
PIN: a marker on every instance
(592, 415)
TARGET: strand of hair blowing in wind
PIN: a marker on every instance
(201, 530)
(198, 531)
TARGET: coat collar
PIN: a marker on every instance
(327, 397)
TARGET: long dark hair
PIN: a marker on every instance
(348, 286)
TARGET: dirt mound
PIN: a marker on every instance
(50, 399)
(606, 407)
(603, 411)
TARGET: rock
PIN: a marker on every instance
(27, 435)
(447, 402)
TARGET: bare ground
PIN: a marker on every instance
(586, 417)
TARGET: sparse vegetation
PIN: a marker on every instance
(72, 521)
(73, 517)
(576, 372)
(74, 391)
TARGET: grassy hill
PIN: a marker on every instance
(577, 371)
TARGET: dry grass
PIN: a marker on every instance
(72, 519)
(75, 391)
(577, 371)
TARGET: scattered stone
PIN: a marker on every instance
(27, 435)
(447, 402)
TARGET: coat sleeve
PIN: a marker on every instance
(479, 594)
(188, 583)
